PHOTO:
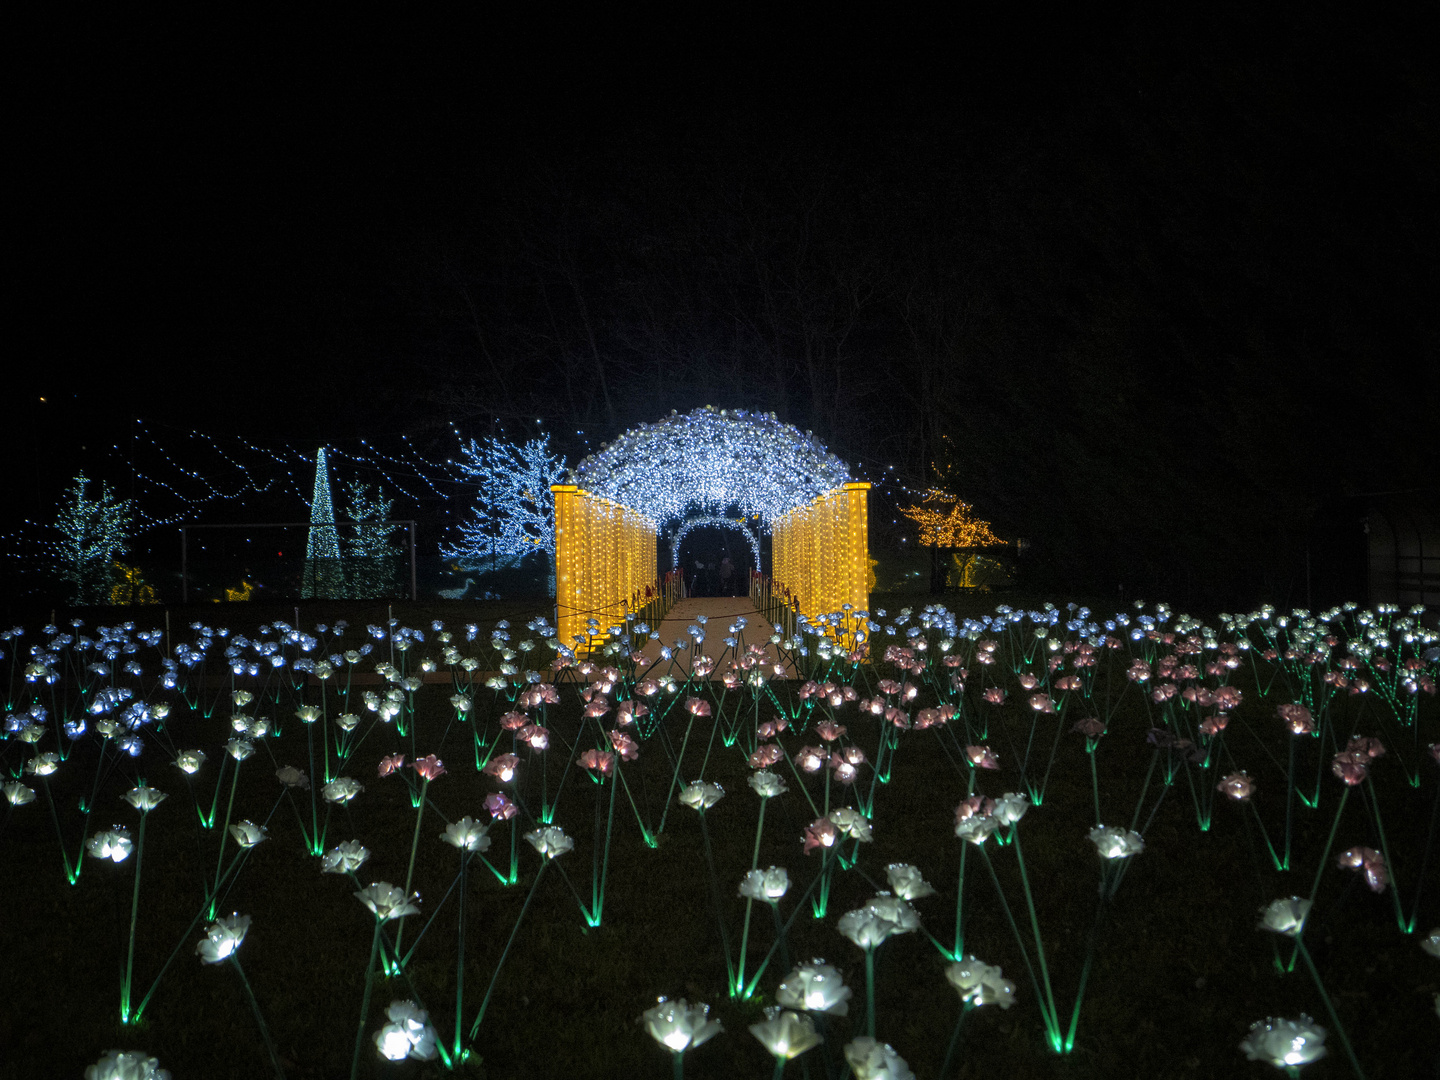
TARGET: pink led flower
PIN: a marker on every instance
(430, 767)
(391, 764)
(974, 806)
(1349, 769)
(630, 712)
(1297, 718)
(831, 731)
(765, 755)
(1370, 861)
(1067, 683)
(1237, 786)
(626, 747)
(1363, 746)
(899, 717)
(599, 705)
(647, 688)
(597, 761)
(845, 764)
(771, 728)
(1028, 681)
(820, 833)
(928, 718)
(535, 736)
(514, 721)
(501, 807)
(1042, 704)
(1227, 698)
(1213, 725)
(502, 768)
(995, 696)
(810, 758)
(982, 757)
(1163, 692)
(702, 667)
(1091, 727)
(697, 706)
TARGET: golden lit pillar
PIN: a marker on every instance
(569, 555)
(857, 545)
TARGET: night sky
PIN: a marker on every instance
(1156, 296)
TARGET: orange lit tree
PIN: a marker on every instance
(947, 522)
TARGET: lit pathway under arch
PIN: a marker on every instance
(720, 613)
(708, 462)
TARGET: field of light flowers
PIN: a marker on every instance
(1024, 843)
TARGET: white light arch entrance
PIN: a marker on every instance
(717, 522)
(707, 463)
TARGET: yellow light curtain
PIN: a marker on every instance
(821, 552)
(604, 561)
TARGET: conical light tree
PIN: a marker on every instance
(323, 577)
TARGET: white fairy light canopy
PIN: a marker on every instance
(711, 461)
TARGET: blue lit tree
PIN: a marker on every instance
(92, 533)
(514, 514)
(372, 558)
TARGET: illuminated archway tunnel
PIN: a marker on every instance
(718, 522)
(715, 464)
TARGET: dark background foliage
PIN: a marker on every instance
(1164, 281)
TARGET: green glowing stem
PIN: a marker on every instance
(495, 975)
(365, 1001)
(314, 810)
(460, 953)
(259, 1019)
(715, 899)
(1329, 1006)
(959, 906)
(1265, 835)
(744, 944)
(1329, 843)
(410, 870)
(225, 829)
(1035, 926)
(1425, 861)
(1144, 789)
(1054, 746)
(1289, 800)
(749, 903)
(1106, 891)
(215, 799)
(134, 913)
(870, 992)
(954, 1041)
(677, 1064)
(1051, 1027)
(55, 817)
(780, 936)
(1385, 849)
(1094, 787)
(675, 774)
(605, 865)
(644, 832)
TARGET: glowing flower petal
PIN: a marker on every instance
(678, 1025)
(1286, 1044)
(786, 1034)
(816, 987)
(222, 938)
(980, 984)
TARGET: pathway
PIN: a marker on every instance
(720, 613)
